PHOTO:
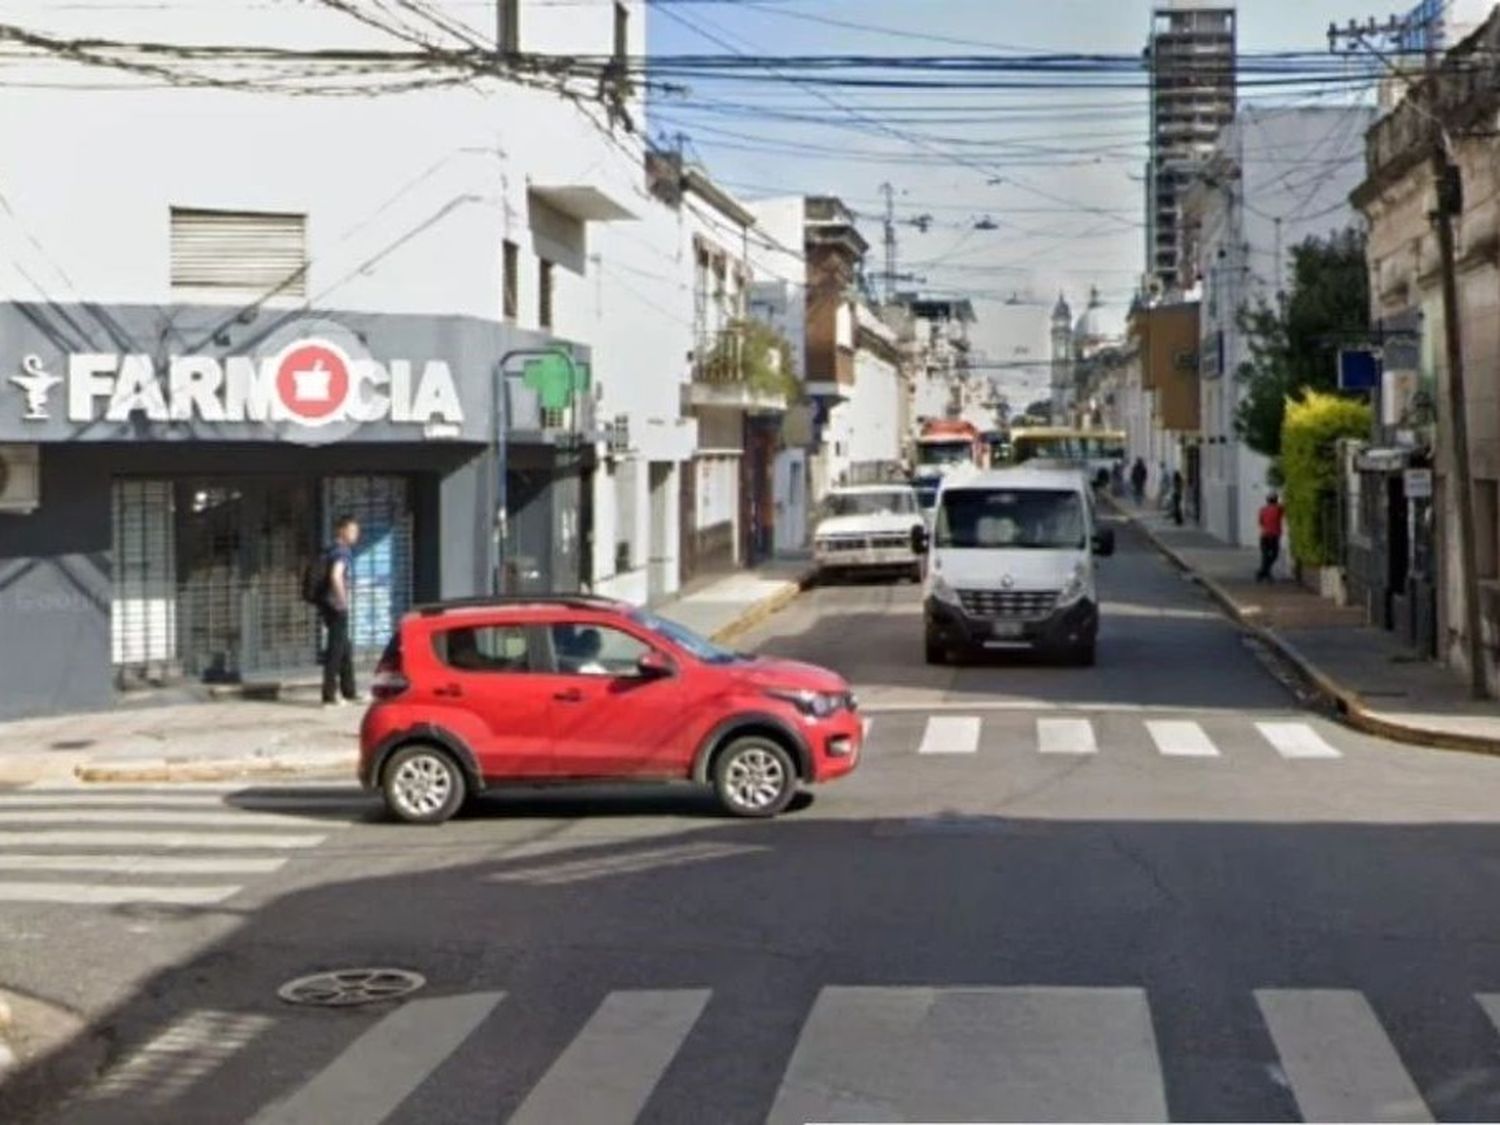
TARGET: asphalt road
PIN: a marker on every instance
(1157, 888)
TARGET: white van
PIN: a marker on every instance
(1011, 566)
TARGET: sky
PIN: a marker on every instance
(1067, 210)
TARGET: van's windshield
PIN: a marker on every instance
(1014, 519)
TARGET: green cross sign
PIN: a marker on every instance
(556, 379)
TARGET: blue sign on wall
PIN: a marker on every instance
(1359, 370)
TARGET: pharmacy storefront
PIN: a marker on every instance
(161, 491)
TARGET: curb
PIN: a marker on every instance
(340, 762)
(765, 608)
(1344, 701)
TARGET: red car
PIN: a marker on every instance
(478, 694)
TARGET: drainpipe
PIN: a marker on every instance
(500, 456)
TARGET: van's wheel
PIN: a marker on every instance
(1083, 655)
(937, 652)
(754, 777)
(422, 784)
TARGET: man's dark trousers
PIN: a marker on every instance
(1270, 551)
(338, 661)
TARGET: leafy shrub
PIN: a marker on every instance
(1309, 462)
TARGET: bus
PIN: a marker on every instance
(1099, 451)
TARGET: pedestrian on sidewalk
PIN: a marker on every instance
(1177, 497)
(1272, 519)
(1138, 474)
(338, 596)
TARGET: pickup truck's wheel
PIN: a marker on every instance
(754, 777)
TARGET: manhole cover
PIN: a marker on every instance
(344, 988)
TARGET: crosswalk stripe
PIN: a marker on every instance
(1296, 740)
(950, 734)
(139, 864)
(56, 798)
(1066, 736)
(186, 817)
(609, 1070)
(385, 1065)
(181, 1055)
(966, 1054)
(1338, 1059)
(148, 838)
(1179, 738)
(112, 894)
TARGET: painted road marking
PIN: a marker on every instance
(188, 818)
(1066, 736)
(923, 1054)
(385, 1065)
(948, 734)
(1181, 739)
(1296, 740)
(147, 838)
(1338, 1060)
(609, 1070)
(182, 1055)
(139, 864)
(112, 894)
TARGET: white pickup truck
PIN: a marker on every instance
(869, 528)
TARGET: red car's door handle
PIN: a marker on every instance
(448, 691)
(571, 695)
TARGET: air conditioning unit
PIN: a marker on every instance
(619, 434)
(20, 478)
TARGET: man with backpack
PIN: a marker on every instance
(331, 589)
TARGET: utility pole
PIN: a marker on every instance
(1448, 181)
(889, 192)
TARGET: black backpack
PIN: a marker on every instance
(314, 580)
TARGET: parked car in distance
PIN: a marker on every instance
(537, 690)
(1012, 566)
(868, 528)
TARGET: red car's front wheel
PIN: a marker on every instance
(754, 777)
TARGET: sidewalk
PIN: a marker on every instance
(238, 737)
(1374, 681)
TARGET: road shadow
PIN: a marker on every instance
(767, 916)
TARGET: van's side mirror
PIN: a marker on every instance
(1104, 542)
(655, 666)
(920, 540)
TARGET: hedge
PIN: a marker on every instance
(1309, 462)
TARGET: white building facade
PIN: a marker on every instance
(1278, 177)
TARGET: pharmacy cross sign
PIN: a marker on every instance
(557, 379)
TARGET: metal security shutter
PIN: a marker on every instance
(239, 254)
(143, 606)
(383, 558)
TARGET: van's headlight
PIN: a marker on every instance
(1076, 588)
(941, 590)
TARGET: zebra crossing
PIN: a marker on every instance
(178, 846)
(957, 736)
(860, 1053)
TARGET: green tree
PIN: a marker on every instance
(1314, 424)
(1295, 348)
(751, 351)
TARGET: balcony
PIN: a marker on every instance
(743, 367)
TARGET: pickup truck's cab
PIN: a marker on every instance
(869, 528)
(1011, 566)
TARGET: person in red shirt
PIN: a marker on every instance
(1272, 516)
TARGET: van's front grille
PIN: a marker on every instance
(994, 604)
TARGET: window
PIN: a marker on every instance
(1041, 519)
(622, 34)
(896, 502)
(683, 637)
(596, 650)
(484, 648)
(508, 29)
(240, 256)
(510, 280)
(544, 294)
